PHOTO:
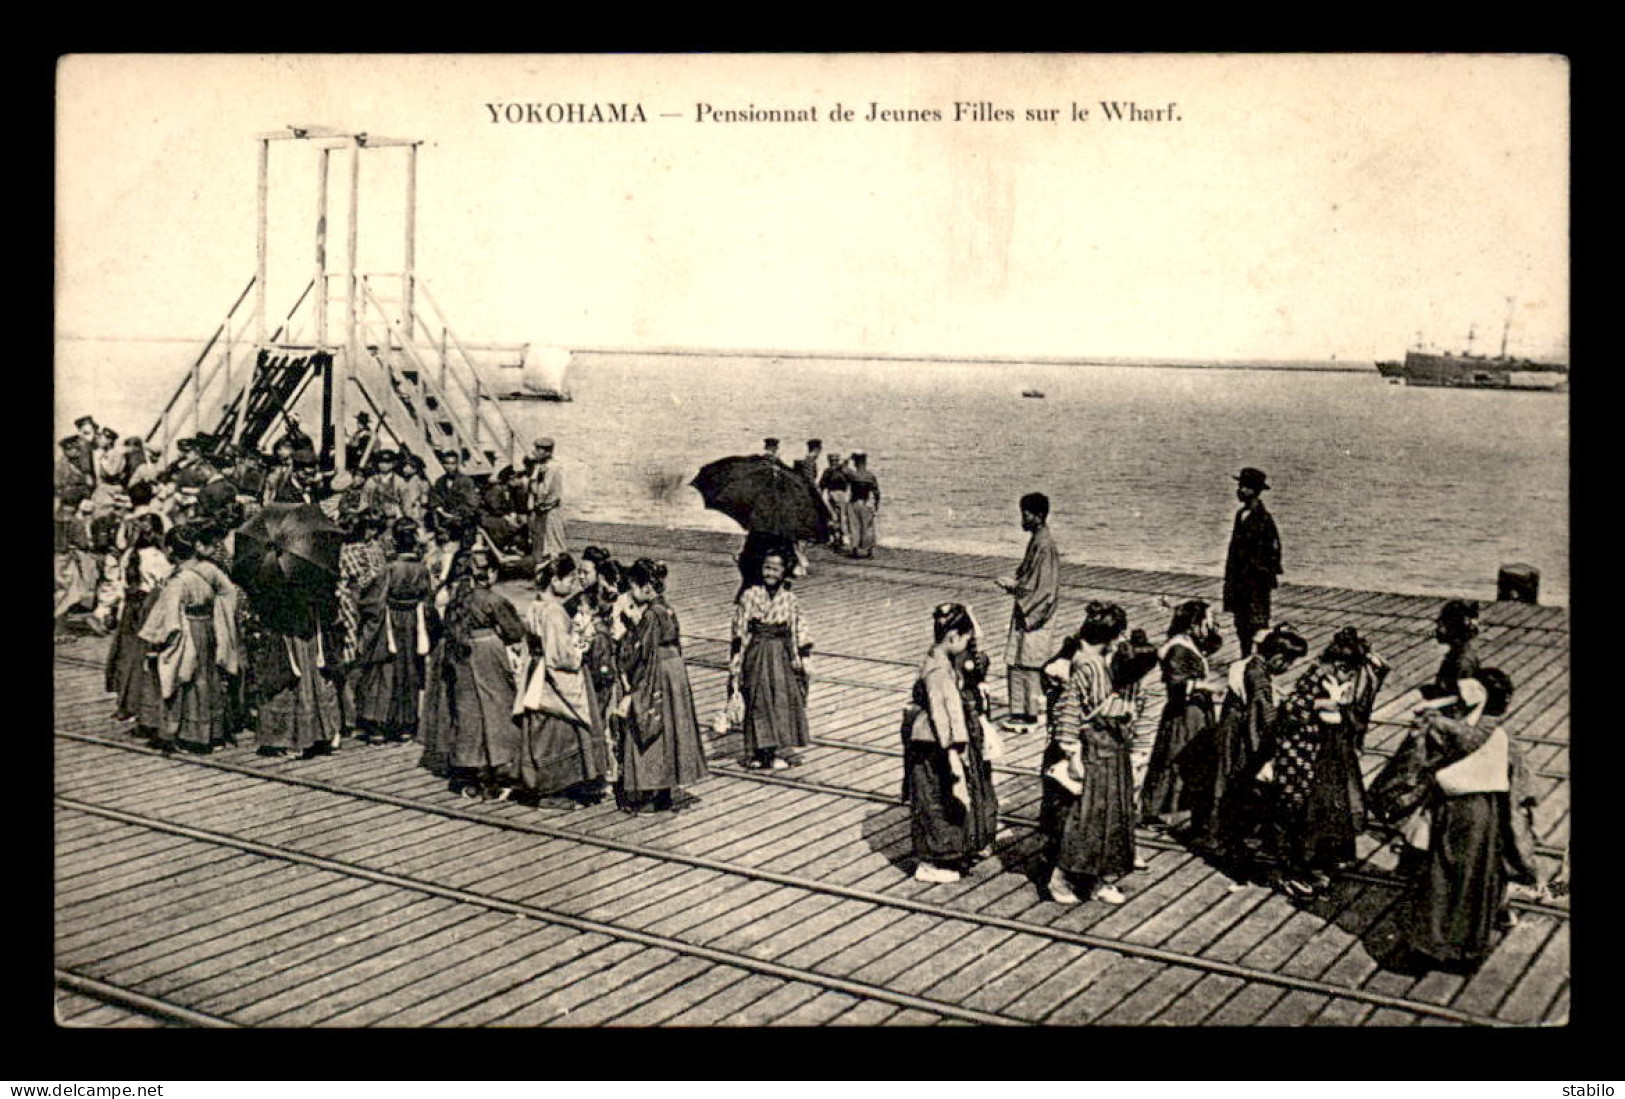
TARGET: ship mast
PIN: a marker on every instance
(1506, 328)
(1472, 334)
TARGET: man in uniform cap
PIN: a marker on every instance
(770, 450)
(355, 451)
(545, 487)
(385, 491)
(1254, 560)
(808, 466)
(82, 452)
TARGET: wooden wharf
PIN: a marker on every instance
(353, 890)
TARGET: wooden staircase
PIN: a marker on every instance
(406, 367)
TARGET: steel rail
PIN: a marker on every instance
(1155, 954)
(860, 989)
(138, 1002)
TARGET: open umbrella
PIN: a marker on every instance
(287, 558)
(764, 497)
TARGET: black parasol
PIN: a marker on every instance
(287, 558)
(764, 497)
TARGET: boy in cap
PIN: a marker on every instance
(546, 485)
(1253, 562)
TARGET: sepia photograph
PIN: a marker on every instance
(811, 539)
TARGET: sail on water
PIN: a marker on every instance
(545, 376)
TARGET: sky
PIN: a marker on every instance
(1301, 207)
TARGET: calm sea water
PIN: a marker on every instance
(1374, 486)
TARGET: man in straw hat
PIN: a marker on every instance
(1254, 560)
(546, 498)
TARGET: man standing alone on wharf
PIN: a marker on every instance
(546, 498)
(1254, 560)
(1037, 590)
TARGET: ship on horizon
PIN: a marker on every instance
(1470, 371)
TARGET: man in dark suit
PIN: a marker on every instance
(1254, 560)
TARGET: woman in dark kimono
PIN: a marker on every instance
(468, 725)
(145, 567)
(1218, 766)
(1458, 907)
(564, 758)
(768, 669)
(1400, 785)
(290, 682)
(659, 735)
(1087, 814)
(191, 630)
(1318, 805)
(945, 779)
(393, 643)
(1192, 638)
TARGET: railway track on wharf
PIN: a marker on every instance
(737, 913)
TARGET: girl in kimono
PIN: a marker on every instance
(953, 817)
(290, 678)
(767, 669)
(659, 735)
(468, 705)
(1192, 638)
(1218, 766)
(1477, 784)
(564, 759)
(144, 566)
(1455, 628)
(189, 630)
(1087, 813)
(361, 560)
(393, 644)
(1316, 805)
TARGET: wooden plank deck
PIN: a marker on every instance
(353, 890)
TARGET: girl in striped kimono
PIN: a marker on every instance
(1087, 813)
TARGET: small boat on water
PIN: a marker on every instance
(542, 376)
(1035, 393)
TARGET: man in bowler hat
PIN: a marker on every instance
(1254, 560)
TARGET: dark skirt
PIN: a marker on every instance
(675, 758)
(775, 696)
(127, 657)
(556, 754)
(1164, 795)
(195, 714)
(1454, 914)
(942, 830)
(1334, 811)
(387, 690)
(1215, 769)
(468, 710)
(1091, 833)
(305, 712)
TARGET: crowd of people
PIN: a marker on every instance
(1267, 788)
(583, 694)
